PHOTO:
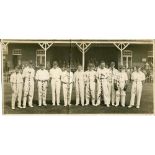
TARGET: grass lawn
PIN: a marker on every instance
(146, 104)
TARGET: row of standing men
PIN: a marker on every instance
(110, 84)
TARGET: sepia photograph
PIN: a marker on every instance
(77, 76)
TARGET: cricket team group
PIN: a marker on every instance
(93, 86)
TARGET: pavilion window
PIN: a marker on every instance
(127, 58)
(40, 57)
(17, 57)
(150, 56)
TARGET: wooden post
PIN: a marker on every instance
(45, 46)
(83, 47)
(121, 57)
(45, 55)
(121, 46)
(83, 60)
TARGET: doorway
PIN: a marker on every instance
(17, 60)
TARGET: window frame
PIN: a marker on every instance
(127, 56)
(40, 53)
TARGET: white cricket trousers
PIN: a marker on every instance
(136, 90)
(28, 92)
(90, 93)
(79, 86)
(16, 94)
(55, 87)
(103, 91)
(42, 90)
(120, 94)
(112, 92)
(67, 93)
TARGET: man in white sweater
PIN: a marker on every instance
(79, 78)
(67, 84)
(16, 81)
(42, 77)
(55, 75)
(28, 75)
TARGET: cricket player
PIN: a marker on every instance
(112, 77)
(16, 81)
(55, 75)
(121, 86)
(102, 84)
(138, 78)
(67, 84)
(90, 79)
(79, 78)
(42, 77)
(28, 75)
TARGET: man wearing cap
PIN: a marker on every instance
(79, 85)
(67, 83)
(138, 78)
(121, 82)
(16, 81)
(102, 85)
(42, 77)
(55, 75)
(111, 80)
(90, 79)
(28, 75)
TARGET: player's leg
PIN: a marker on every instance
(117, 97)
(14, 96)
(123, 95)
(19, 91)
(65, 94)
(44, 93)
(25, 94)
(93, 93)
(40, 93)
(82, 93)
(110, 91)
(58, 86)
(53, 88)
(106, 94)
(70, 94)
(139, 93)
(113, 95)
(87, 94)
(133, 94)
(98, 93)
(77, 93)
(31, 94)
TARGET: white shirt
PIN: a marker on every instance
(134, 76)
(138, 76)
(103, 73)
(141, 76)
(90, 76)
(122, 77)
(55, 73)
(112, 74)
(79, 76)
(29, 73)
(16, 78)
(42, 75)
(67, 77)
